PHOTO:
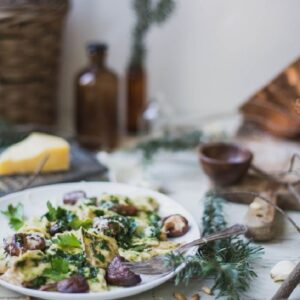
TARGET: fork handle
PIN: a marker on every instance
(236, 229)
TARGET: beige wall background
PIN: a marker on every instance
(208, 58)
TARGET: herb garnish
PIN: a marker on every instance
(91, 201)
(66, 219)
(67, 241)
(124, 237)
(80, 263)
(228, 261)
(154, 229)
(53, 213)
(59, 269)
(122, 228)
(15, 216)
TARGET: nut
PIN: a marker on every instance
(196, 297)
(281, 270)
(179, 296)
(206, 290)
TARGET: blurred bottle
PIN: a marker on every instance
(136, 97)
(97, 102)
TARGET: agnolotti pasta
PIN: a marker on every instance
(70, 248)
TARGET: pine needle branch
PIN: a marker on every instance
(228, 261)
(169, 142)
(147, 14)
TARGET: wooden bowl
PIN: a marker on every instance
(224, 163)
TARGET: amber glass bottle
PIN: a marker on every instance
(136, 97)
(97, 102)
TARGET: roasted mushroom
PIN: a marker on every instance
(12, 248)
(108, 226)
(75, 284)
(119, 275)
(125, 209)
(55, 228)
(175, 225)
(21, 242)
(71, 198)
(34, 242)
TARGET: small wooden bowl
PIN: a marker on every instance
(224, 163)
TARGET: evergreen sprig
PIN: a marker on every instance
(170, 142)
(147, 14)
(228, 261)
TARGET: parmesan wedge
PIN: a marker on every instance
(27, 155)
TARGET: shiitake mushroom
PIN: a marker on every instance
(175, 225)
(21, 242)
(56, 228)
(120, 275)
(107, 226)
(125, 209)
(75, 284)
(71, 198)
(12, 248)
(34, 242)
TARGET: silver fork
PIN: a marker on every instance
(157, 265)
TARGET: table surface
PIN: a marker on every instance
(187, 185)
(185, 182)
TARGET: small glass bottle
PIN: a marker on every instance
(97, 102)
(136, 97)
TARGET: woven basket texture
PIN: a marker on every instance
(30, 34)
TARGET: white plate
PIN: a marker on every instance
(34, 201)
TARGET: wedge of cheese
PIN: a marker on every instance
(27, 155)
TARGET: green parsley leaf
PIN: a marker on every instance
(60, 264)
(51, 214)
(15, 216)
(54, 214)
(76, 223)
(59, 269)
(65, 218)
(67, 241)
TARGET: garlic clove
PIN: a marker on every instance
(206, 290)
(281, 270)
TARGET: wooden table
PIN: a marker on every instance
(187, 184)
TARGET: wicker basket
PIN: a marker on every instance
(30, 32)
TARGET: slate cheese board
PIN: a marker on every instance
(84, 166)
